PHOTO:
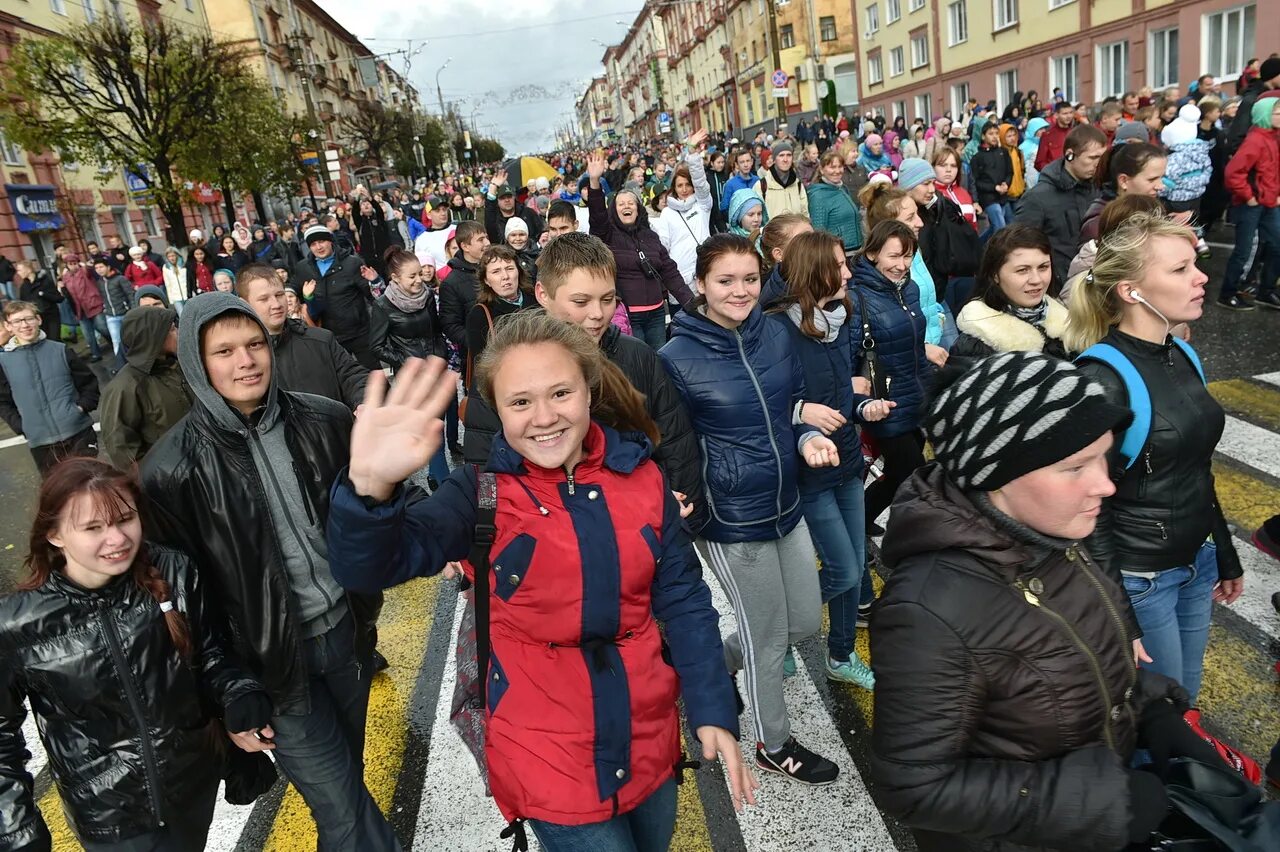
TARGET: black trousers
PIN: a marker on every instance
(902, 454)
(83, 444)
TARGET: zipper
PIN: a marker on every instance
(306, 498)
(568, 472)
(1115, 617)
(1164, 533)
(135, 704)
(293, 527)
(1089, 655)
(764, 407)
(1142, 478)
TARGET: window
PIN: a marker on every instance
(895, 62)
(1228, 41)
(878, 111)
(153, 221)
(920, 50)
(751, 110)
(892, 11)
(1112, 69)
(59, 7)
(90, 14)
(87, 221)
(899, 109)
(917, 5)
(190, 4)
(958, 17)
(1163, 58)
(786, 36)
(10, 153)
(121, 219)
(924, 107)
(1058, 4)
(827, 26)
(1063, 74)
(875, 71)
(1006, 85)
(959, 97)
(873, 19)
(1006, 13)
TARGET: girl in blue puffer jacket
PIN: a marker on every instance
(894, 329)
(745, 394)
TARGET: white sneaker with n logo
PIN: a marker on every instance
(796, 762)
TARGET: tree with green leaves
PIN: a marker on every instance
(118, 94)
(487, 150)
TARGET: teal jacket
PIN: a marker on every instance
(831, 209)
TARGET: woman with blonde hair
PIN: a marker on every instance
(1164, 526)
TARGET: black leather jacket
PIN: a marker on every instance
(125, 722)
(398, 335)
(204, 495)
(1165, 505)
(310, 360)
(1006, 702)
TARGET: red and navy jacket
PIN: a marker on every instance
(582, 720)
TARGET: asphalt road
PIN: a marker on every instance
(423, 778)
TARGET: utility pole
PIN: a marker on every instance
(780, 109)
(444, 116)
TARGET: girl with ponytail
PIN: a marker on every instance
(108, 640)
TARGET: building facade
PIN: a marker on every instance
(925, 57)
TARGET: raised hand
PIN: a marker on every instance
(695, 140)
(368, 273)
(309, 288)
(500, 177)
(596, 167)
(397, 433)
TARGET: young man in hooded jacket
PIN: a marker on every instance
(241, 483)
(147, 397)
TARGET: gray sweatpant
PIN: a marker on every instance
(776, 596)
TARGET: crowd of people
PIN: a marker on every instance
(737, 355)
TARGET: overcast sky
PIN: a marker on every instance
(522, 63)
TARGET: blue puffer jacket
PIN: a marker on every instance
(828, 368)
(898, 328)
(741, 387)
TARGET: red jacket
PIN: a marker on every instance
(141, 276)
(582, 721)
(1052, 144)
(85, 298)
(1254, 171)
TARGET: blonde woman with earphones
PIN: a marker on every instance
(1163, 528)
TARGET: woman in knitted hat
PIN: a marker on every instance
(1007, 705)
(872, 156)
(1164, 526)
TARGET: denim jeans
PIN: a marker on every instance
(647, 828)
(1251, 223)
(650, 326)
(113, 330)
(836, 522)
(998, 215)
(91, 328)
(67, 315)
(8, 290)
(1173, 610)
(322, 752)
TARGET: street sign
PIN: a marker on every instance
(780, 79)
(664, 118)
(782, 93)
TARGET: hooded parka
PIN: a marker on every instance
(147, 397)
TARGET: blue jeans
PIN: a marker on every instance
(113, 331)
(322, 752)
(647, 828)
(1173, 609)
(91, 328)
(650, 326)
(67, 315)
(1252, 222)
(998, 215)
(8, 291)
(837, 525)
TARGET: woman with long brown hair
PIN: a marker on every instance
(108, 640)
(589, 555)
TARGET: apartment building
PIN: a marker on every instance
(45, 199)
(924, 57)
(595, 112)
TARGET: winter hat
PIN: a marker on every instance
(136, 252)
(153, 291)
(872, 138)
(913, 172)
(317, 232)
(1270, 69)
(542, 183)
(505, 189)
(880, 177)
(196, 236)
(514, 224)
(1131, 131)
(1183, 127)
(783, 147)
(1014, 413)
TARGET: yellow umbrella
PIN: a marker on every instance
(524, 169)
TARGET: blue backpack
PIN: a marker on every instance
(1135, 437)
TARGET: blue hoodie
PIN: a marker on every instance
(739, 205)
(732, 185)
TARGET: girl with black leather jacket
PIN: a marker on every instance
(108, 640)
(1164, 528)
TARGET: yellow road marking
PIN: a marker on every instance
(692, 834)
(1255, 402)
(1240, 684)
(1245, 500)
(51, 807)
(403, 629)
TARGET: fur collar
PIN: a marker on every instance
(1005, 332)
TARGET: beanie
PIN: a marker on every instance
(195, 235)
(913, 172)
(1270, 69)
(873, 138)
(153, 291)
(1014, 413)
(137, 251)
(782, 147)
(1183, 127)
(317, 232)
(1131, 131)
(515, 223)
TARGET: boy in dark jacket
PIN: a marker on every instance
(576, 284)
(335, 285)
(992, 173)
(148, 396)
(458, 291)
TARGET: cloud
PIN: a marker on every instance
(520, 65)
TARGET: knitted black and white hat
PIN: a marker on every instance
(1014, 413)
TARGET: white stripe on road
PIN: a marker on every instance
(1269, 378)
(31, 734)
(1251, 445)
(20, 440)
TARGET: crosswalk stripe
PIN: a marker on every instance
(1251, 445)
(1269, 378)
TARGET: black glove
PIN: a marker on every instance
(1164, 733)
(1149, 804)
(249, 712)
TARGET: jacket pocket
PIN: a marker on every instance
(497, 684)
(650, 537)
(512, 565)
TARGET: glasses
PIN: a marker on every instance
(23, 321)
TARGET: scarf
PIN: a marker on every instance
(1035, 316)
(782, 180)
(829, 322)
(403, 301)
(517, 301)
(830, 182)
